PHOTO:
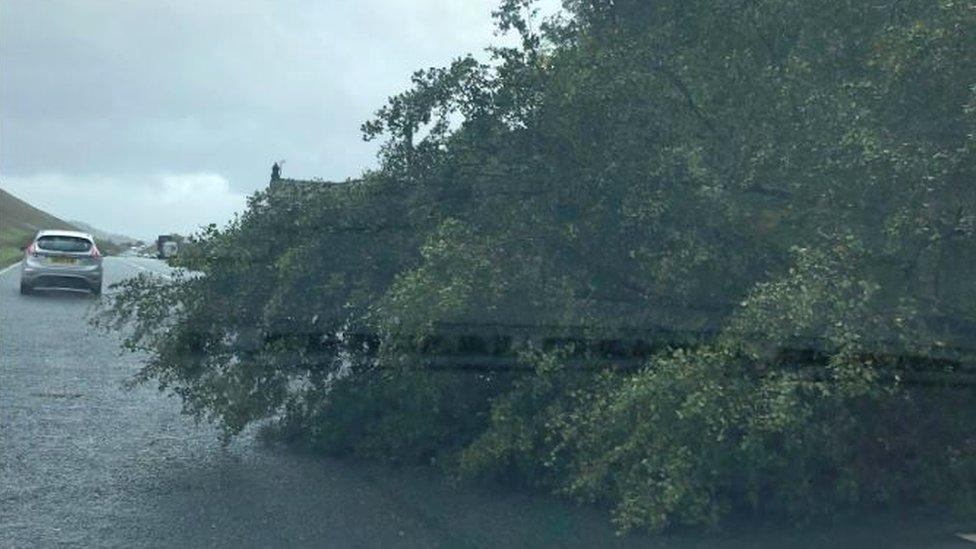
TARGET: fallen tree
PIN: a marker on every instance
(755, 177)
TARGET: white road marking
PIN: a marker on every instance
(968, 537)
(10, 268)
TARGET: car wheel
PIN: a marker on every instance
(25, 289)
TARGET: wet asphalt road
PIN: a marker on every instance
(87, 463)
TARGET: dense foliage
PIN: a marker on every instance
(778, 195)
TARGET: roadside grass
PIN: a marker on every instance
(11, 239)
(9, 256)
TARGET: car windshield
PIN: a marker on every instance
(488, 273)
(64, 244)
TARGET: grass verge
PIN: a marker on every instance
(11, 240)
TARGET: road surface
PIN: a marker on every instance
(87, 463)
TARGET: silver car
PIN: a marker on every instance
(63, 260)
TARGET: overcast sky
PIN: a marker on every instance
(157, 116)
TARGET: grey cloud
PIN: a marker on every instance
(120, 88)
(224, 86)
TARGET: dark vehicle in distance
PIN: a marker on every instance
(166, 246)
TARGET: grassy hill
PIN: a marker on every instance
(18, 223)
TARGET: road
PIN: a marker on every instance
(86, 462)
